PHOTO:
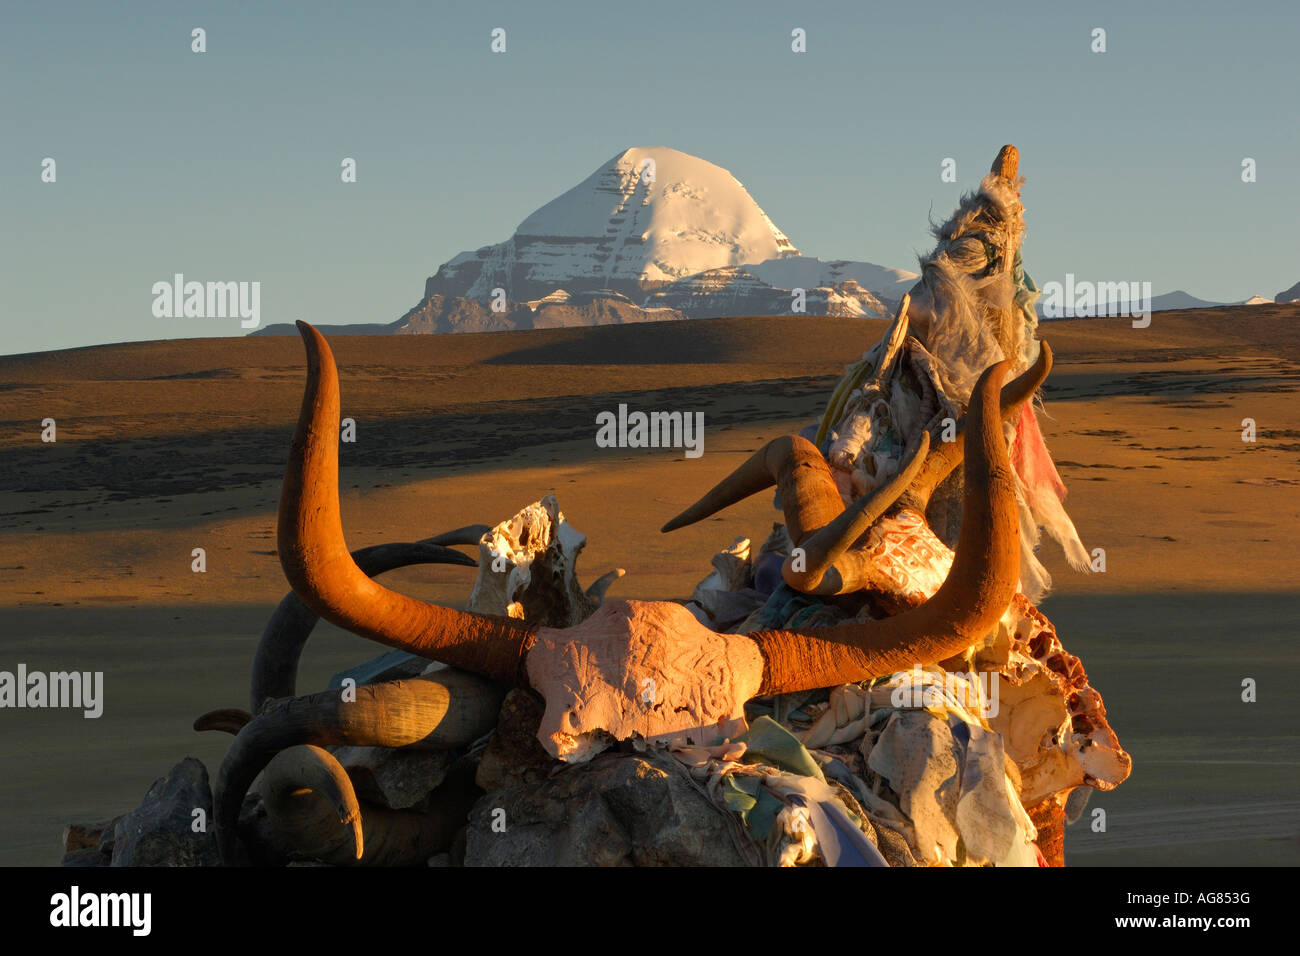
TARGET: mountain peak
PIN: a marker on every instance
(647, 216)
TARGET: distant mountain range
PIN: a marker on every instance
(652, 234)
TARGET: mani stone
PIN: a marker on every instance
(161, 831)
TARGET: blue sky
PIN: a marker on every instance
(225, 165)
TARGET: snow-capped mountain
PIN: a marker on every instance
(656, 234)
(645, 218)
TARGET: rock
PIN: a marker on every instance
(399, 779)
(85, 856)
(620, 809)
(106, 841)
(514, 757)
(160, 832)
(262, 843)
(84, 836)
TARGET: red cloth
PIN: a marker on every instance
(1031, 459)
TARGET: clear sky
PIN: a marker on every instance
(225, 165)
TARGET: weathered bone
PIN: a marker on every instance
(733, 569)
(528, 569)
(640, 669)
(1054, 722)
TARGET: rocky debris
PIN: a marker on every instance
(528, 569)
(514, 757)
(620, 809)
(164, 830)
(399, 779)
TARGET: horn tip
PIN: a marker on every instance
(1007, 163)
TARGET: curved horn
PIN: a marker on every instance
(1007, 163)
(322, 573)
(229, 720)
(439, 713)
(470, 534)
(947, 455)
(309, 798)
(826, 545)
(596, 593)
(808, 491)
(981, 584)
(796, 467)
(275, 665)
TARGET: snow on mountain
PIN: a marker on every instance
(647, 217)
(735, 290)
(806, 272)
(1257, 300)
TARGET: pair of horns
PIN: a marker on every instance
(327, 579)
(982, 582)
(815, 518)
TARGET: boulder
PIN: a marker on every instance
(86, 856)
(164, 830)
